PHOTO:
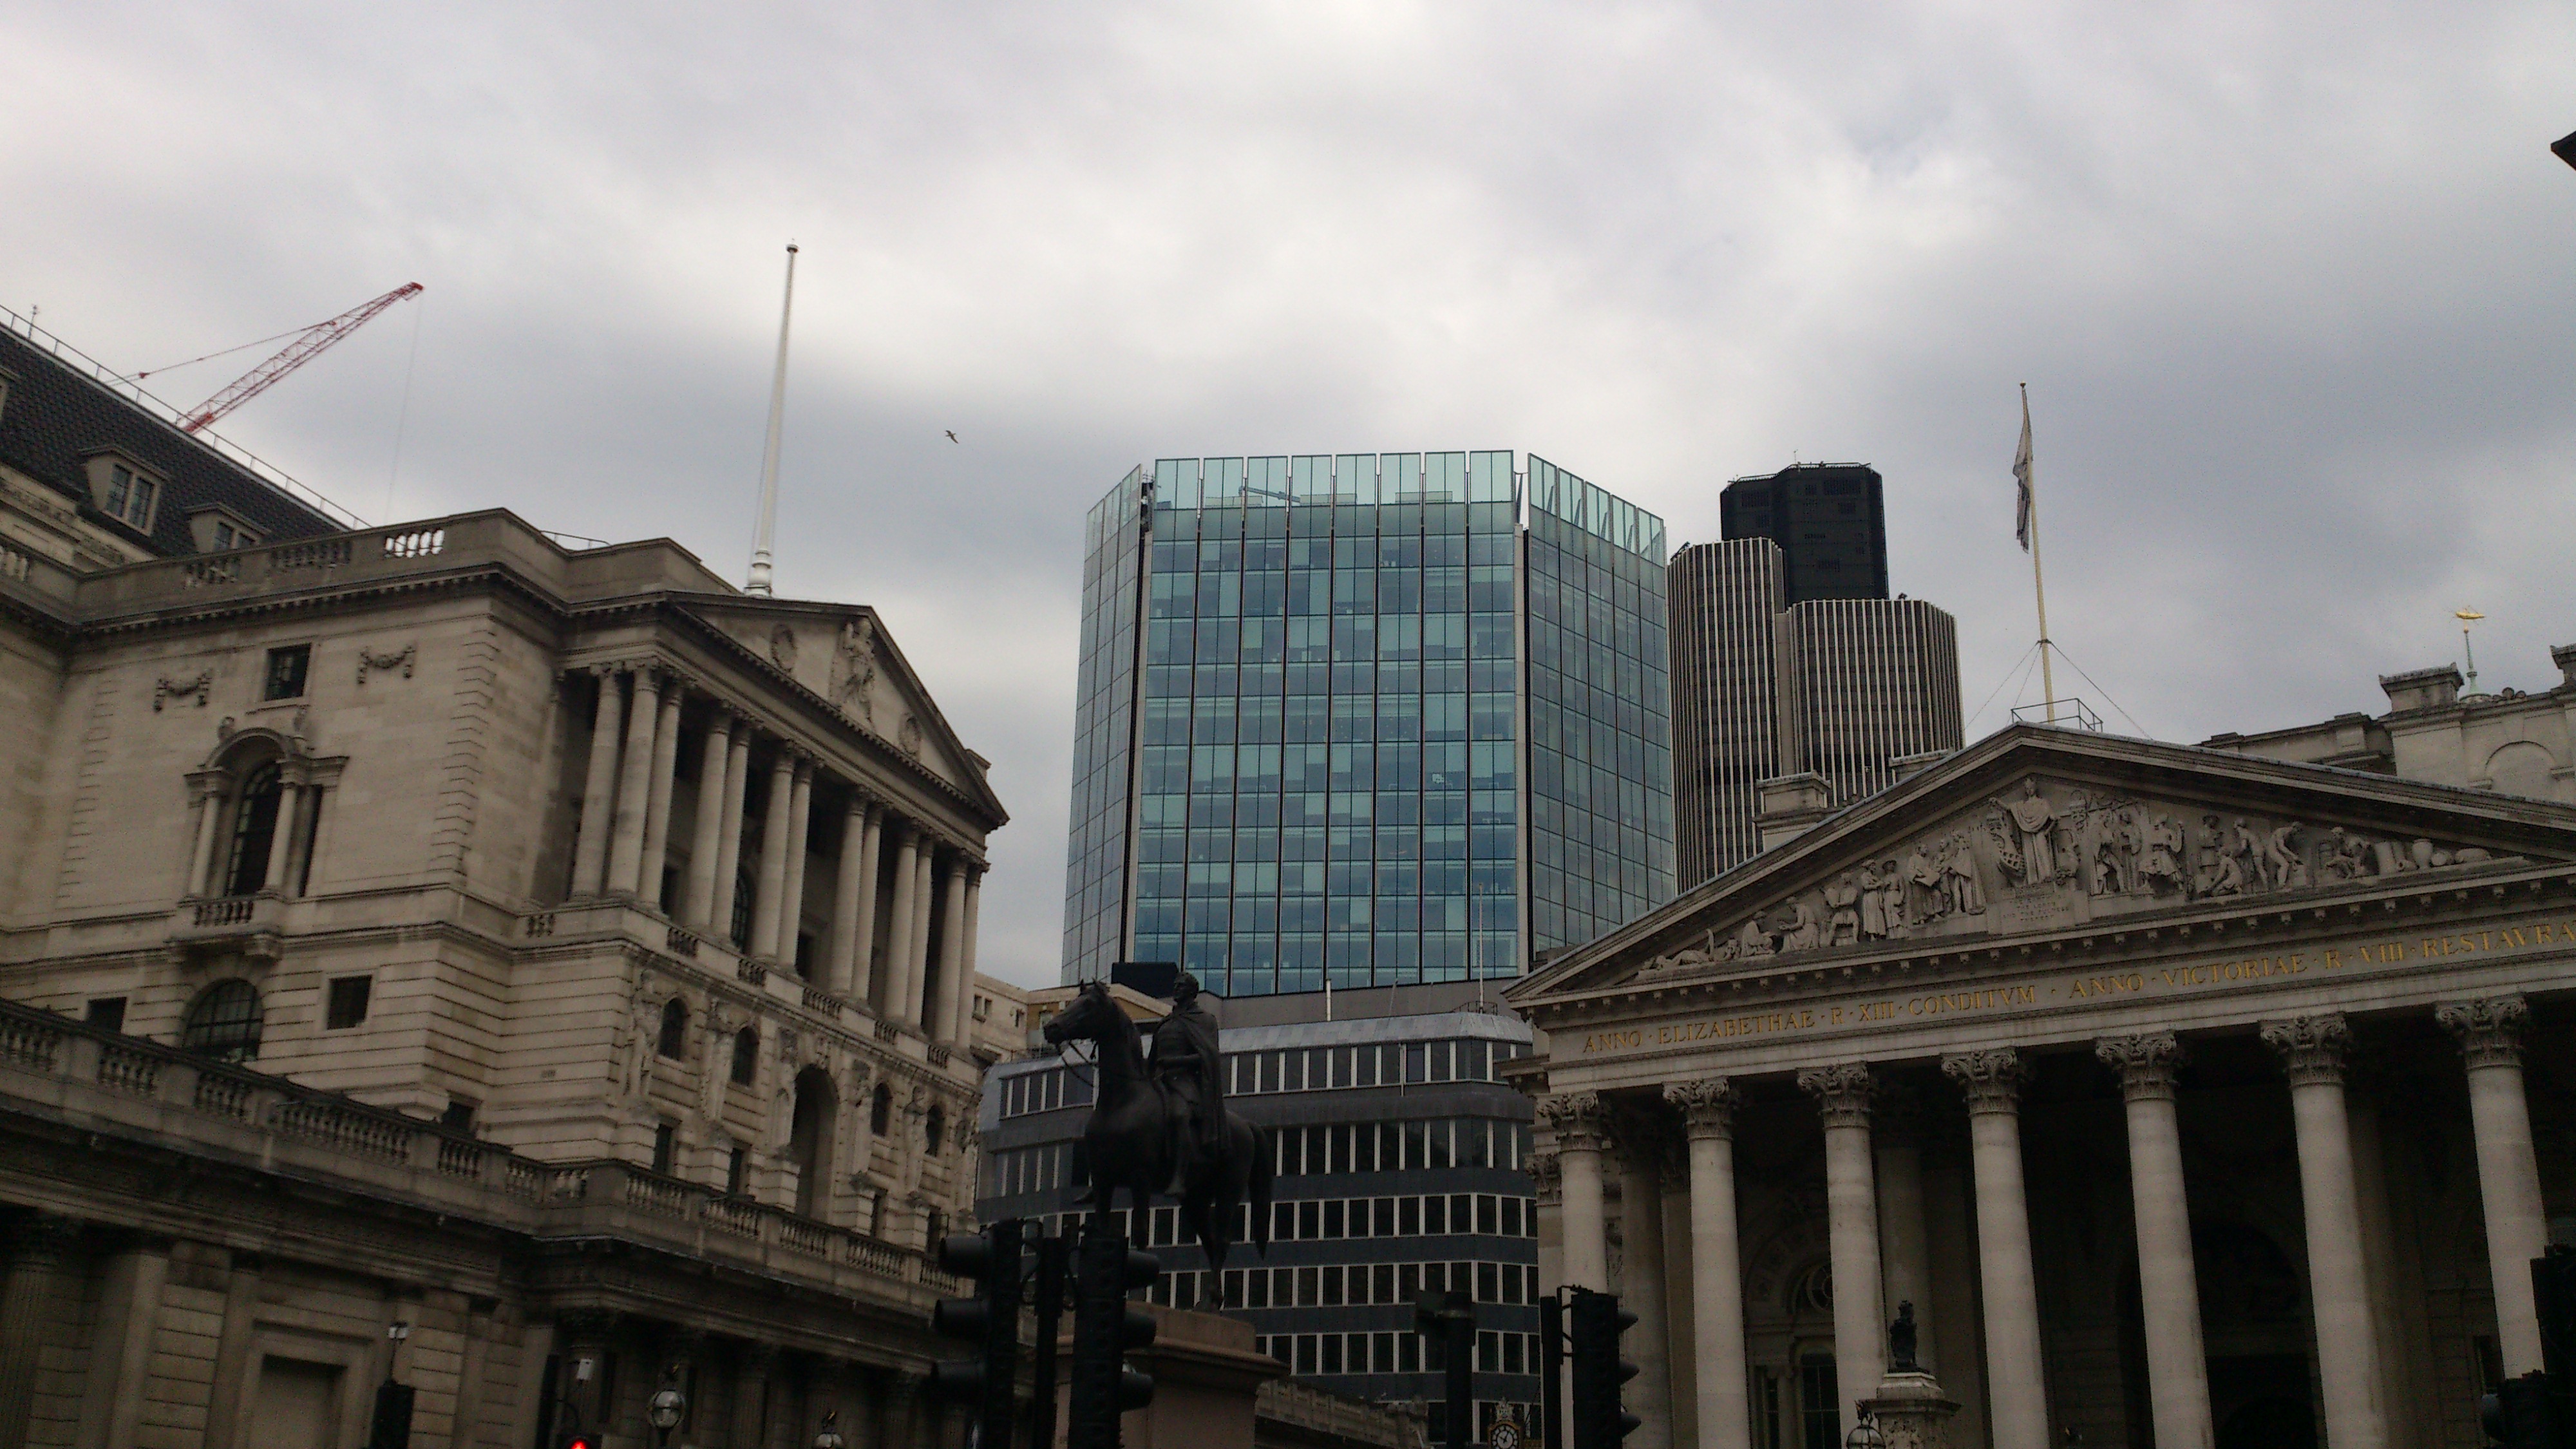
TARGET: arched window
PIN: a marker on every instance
(254, 827)
(880, 1110)
(223, 1022)
(746, 1056)
(674, 1042)
(935, 1126)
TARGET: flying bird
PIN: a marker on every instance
(952, 435)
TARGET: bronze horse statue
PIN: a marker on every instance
(1129, 1142)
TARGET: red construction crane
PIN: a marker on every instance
(307, 345)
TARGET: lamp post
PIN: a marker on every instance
(668, 1405)
(828, 1437)
(1865, 1435)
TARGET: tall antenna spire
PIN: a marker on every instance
(767, 531)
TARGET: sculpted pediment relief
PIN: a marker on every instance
(2049, 854)
(845, 656)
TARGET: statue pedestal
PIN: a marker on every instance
(1910, 1411)
(1206, 1377)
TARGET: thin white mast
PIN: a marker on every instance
(767, 532)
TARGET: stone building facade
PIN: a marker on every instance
(2508, 740)
(2188, 1097)
(549, 949)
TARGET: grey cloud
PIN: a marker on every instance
(2289, 283)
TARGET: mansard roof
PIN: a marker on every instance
(2035, 832)
(57, 415)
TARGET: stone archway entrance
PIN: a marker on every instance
(809, 1140)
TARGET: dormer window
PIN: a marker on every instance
(213, 530)
(124, 491)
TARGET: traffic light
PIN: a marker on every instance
(2516, 1415)
(1599, 1421)
(1449, 1320)
(990, 1319)
(1105, 1327)
(577, 1439)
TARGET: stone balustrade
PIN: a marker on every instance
(127, 1087)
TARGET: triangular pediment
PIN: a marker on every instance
(2035, 831)
(843, 655)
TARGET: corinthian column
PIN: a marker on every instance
(845, 897)
(791, 894)
(634, 783)
(1576, 1119)
(775, 813)
(2312, 1050)
(955, 1001)
(2168, 1283)
(657, 801)
(1851, 1220)
(2490, 1036)
(899, 924)
(2015, 1386)
(737, 784)
(706, 830)
(598, 791)
(1641, 1286)
(1717, 1278)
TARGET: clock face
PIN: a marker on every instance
(1505, 1435)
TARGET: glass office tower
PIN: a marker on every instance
(1366, 717)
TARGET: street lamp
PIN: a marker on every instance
(829, 1437)
(1865, 1435)
(668, 1405)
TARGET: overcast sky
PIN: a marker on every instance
(2293, 286)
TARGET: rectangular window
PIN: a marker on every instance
(1408, 1281)
(1408, 1218)
(107, 1013)
(348, 1005)
(1332, 1287)
(1435, 1216)
(1408, 1353)
(664, 1134)
(1488, 1214)
(1332, 1218)
(286, 670)
(737, 1162)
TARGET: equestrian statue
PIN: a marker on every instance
(1161, 1126)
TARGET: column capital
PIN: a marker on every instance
(1842, 1092)
(1544, 1174)
(1992, 1080)
(1707, 1106)
(43, 1239)
(2489, 1031)
(2311, 1048)
(2146, 1064)
(1580, 1122)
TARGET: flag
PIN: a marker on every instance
(2021, 470)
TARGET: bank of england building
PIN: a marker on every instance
(530, 943)
(2187, 1095)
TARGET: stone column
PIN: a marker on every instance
(2016, 1387)
(737, 785)
(916, 959)
(800, 825)
(634, 783)
(2312, 1050)
(903, 1410)
(2168, 1282)
(1576, 1119)
(281, 841)
(657, 799)
(954, 1001)
(707, 830)
(1851, 1210)
(899, 921)
(863, 911)
(42, 1247)
(206, 789)
(2490, 1036)
(776, 813)
(120, 1351)
(1717, 1275)
(752, 1369)
(1905, 1255)
(228, 1420)
(599, 790)
(838, 961)
(966, 956)
(1641, 1289)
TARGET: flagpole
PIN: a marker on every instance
(2038, 586)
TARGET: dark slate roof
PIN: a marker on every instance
(57, 415)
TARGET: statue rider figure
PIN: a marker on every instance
(1186, 1065)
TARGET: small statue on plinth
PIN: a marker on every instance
(1900, 1342)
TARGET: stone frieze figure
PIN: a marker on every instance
(2034, 822)
(1959, 876)
(1873, 903)
(1842, 900)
